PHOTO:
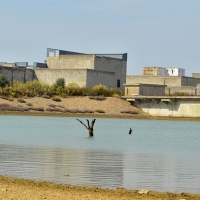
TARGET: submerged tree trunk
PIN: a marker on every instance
(89, 126)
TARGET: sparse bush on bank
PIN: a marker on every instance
(129, 112)
(40, 89)
(21, 100)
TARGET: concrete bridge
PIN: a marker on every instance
(174, 106)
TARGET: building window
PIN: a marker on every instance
(118, 83)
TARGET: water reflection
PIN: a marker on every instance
(85, 167)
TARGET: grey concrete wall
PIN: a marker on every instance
(71, 62)
(112, 65)
(152, 91)
(189, 81)
(144, 90)
(191, 90)
(95, 77)
(20, 74)
(180, 108)
(167, 80)
(50, 76)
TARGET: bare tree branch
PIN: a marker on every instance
(89, 127)
(82, 123)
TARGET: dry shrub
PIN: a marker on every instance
(98, 98)
(100, 111)
(10, 99)
(19, 106)
(21, 100)
(52, 105)
(56, 99)
(66, 110)
(89, 111)
(61, 106)
(46, 96)
(5, 106)
(4, 97)
(128, 112)
(36, 108)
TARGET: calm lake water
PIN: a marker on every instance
(158, 156)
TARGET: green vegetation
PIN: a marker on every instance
(60, 82)
(40, 89)
(3, 81)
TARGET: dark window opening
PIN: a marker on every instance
(118, 83)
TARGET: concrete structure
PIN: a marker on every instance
(175, 72)
(196, 75)
(167, 106)
(181, 90)
(86, 70)
(153, 71)
(144, 89)
(174, 81)
(18, 73)
(160, 71)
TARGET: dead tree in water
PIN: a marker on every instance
(89, 127)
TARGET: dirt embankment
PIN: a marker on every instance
(112, 107)
(21, 189)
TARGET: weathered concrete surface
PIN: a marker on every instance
(144, 89)
(50, 76)
(168, 106)
(164, 80)
(18, 74)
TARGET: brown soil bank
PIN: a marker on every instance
(21, 189)
(112, 107)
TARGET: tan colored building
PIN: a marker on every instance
(144, 89)
(86, 70)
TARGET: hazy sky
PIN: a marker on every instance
(163, 33)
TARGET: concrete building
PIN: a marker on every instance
(144, 89)
(160, 71)
(175, 72)
(86, 70)
(174, 84)
(153, 71)
(170, 81)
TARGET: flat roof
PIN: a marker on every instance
(56, 52)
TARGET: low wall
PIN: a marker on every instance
(190, 90)
(176, 108)
(18, 73)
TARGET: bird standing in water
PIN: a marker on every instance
(130, 131)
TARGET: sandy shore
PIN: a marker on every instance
(19, 189)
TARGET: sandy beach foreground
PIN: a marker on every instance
(19, 189)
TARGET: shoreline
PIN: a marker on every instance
(18, 188)
(112, 107)
(94, 115)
